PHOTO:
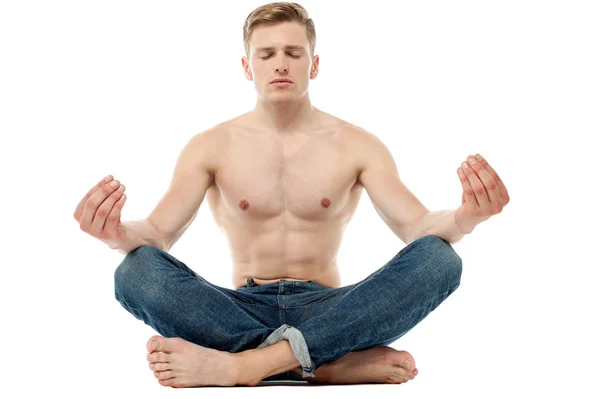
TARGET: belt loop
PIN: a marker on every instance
(250, 282)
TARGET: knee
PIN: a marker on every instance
(133, 271)
(445, 262)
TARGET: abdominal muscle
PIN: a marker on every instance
(301, 251)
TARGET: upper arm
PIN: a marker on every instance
(397, 206)
(193, 174)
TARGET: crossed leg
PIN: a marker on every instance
(415, 284)
(178, 363)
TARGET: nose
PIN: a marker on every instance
(281, 64)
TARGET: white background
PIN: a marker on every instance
(89, 89)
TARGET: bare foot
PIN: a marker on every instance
(381, 364)
(179, 363)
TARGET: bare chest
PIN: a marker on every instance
(310, 177)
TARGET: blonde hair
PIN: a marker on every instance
(279, 12)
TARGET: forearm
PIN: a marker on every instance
(138, 233)
(438, 223)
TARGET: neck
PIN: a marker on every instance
(286, 116)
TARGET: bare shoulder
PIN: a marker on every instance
(215, 140)
(363, 144)
(244, 121)
(215, 135)
(352, 133)
(209, 145)
(359, 135)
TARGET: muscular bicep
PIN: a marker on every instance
(395, 203)
(192, 176)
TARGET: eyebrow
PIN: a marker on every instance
(288, 47)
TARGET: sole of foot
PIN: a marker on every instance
(379, 365)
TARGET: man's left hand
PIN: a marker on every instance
(484, 193)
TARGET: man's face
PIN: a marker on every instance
(280, 51)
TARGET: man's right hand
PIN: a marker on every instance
(99, 212)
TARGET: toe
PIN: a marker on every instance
(161, 375)
(404, 360)
(158, 357)
(166, 382)
(162, 366)
(153, 343)
(159, 366)
(162, 344)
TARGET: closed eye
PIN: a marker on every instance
(269, 56)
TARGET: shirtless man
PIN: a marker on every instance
(283, 181)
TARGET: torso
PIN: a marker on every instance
(284, 201)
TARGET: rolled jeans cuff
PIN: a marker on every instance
(298, 344)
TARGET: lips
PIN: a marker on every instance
(281, 81)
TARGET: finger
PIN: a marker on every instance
(476, 186)
(488, 182)
(93, 203)
(105, 208)
(501, 187)
(81, 205)
(114, 217)
(468, 193)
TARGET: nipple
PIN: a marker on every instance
(244, 204)
(325, 202)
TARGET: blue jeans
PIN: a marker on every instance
(322, 324)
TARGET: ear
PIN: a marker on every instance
(314, 70)
(247, 70)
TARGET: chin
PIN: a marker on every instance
(281, 97)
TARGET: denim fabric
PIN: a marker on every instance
(322, 324)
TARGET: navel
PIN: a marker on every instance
(325, 202)
(244, 204)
